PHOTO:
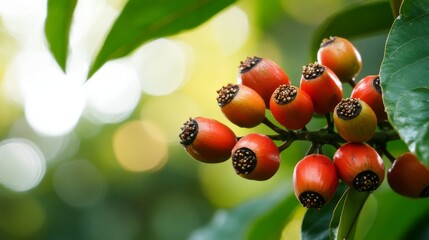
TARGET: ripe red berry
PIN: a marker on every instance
(340, 56)
(323, 87)
(360, 166)
(207, 140)
(256, 157)
(368, 90)
(409, 177)
(315, 180)
(241, 105)
(262, 75)
(355, 121)
(291, 107)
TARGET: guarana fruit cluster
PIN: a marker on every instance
(352, 125)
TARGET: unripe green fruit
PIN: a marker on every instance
(355, 120)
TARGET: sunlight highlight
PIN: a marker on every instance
(140, 146)
(22, 165)
(112, 93)
(161, 66)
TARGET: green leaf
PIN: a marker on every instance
(336, 215)
(404, 68)
(353, 205)
(270, 224)
(141, 21)
(235, 223)
(57, 28)
(414, 128)
(315, 224)
(358, 20)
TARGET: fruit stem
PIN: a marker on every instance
(275, 128)
(351, 82)
(284, 145)
(384, 150)
(330, 122)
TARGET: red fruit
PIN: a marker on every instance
(360, 166)
(368, 90)
(315, 180)
(409, 177)
(241, 105)
(355, 120)
(340, 56)
(207, 140)
(291, 107)
(256, 157)
(323, 87)
(262, 75)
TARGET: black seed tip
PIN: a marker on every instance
(425, 192)
(285, 94)
(248, 64)
(312, 70)
(376, 83)
(326, 41)
(189, 132)
(226, 94)
(244, 161)
(310, 199)
(349, 108)
(366, 181)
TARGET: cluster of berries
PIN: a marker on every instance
(262, 85)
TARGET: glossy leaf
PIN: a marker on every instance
(352, 207)
(414, 128)
(57, 28)
(355, 21)
(270, 224)
(141, 21)
(336, 215)
(315, 224)
(404, 68)
(234, 223)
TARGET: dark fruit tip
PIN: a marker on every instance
(349, 108)
(327, 41)
(376, 84)
(189, 132)
(285, 94)
(244, 161)
(248, 64)
(310, 199)
(226, 94)
(366, 181)
(312, 70)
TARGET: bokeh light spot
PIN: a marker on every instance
(230, 29)
(140, 146)
(112, 93)
(22, 165)
(79, 183)
(161, 66)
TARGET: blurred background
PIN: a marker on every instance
(101, 159)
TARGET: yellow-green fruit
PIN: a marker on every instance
(355, 120)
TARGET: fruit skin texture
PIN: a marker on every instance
(325, 90)
(368, 90)
(245, 109)
(360, 128)
(341, 56)
(409, 177)
(294, 114)
(315, 173)
(212, 143)
(352, 159)
(266, 157)
(262, 75)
